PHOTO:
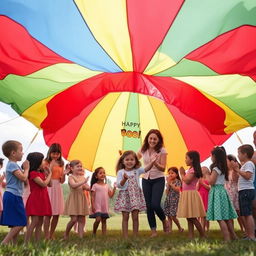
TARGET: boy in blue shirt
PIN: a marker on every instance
(14, 214)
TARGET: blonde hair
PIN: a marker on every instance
(74, 162)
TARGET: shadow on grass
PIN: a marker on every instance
(113, 244)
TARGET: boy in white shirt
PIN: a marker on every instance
(246, 187)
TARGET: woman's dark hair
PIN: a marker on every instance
(175, 170)
(55, 148)
(195, 157)
(94, 176)
(35, 160)
(159, 145)
(120, 164)
(220, 160)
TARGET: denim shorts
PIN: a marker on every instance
(245, 201)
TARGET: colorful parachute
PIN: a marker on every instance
(97, 75)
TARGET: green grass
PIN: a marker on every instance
(113, 244)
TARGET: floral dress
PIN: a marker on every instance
(132, 198)
(232, 188)
(172, 200)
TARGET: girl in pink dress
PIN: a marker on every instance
(100, 193)
(232, 188)
(190, 204)
(203, 188)
(56, 164)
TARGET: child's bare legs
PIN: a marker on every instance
(224, 229)
(135, 222)
(201, 220)
(71, 223)
(198, 226)
(55, 219)
(31, 227)
(47, 220)
(241, 221)
(170, 223)
(76, 227)
(166, 227)
(231, 230)
(50, 224)
(207, 225)
(103, 226)
(38, 229)
(12, 235)
(249, 226)
(81, 223)
(253, 212)
(176, 221)
(125, 220)
(96, 224)
(14, 239)
(190, 228)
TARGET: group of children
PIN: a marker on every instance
(199, 194)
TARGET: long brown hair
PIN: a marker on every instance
(55, 148)
(94, 176)
(120, 163)
(175, 170)
(35, 160)
(220, 161)
(159, 145)
(195, 157)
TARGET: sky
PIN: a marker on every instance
(14, 127)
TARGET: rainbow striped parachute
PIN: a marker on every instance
(97, 75)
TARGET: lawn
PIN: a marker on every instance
(174, 243)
